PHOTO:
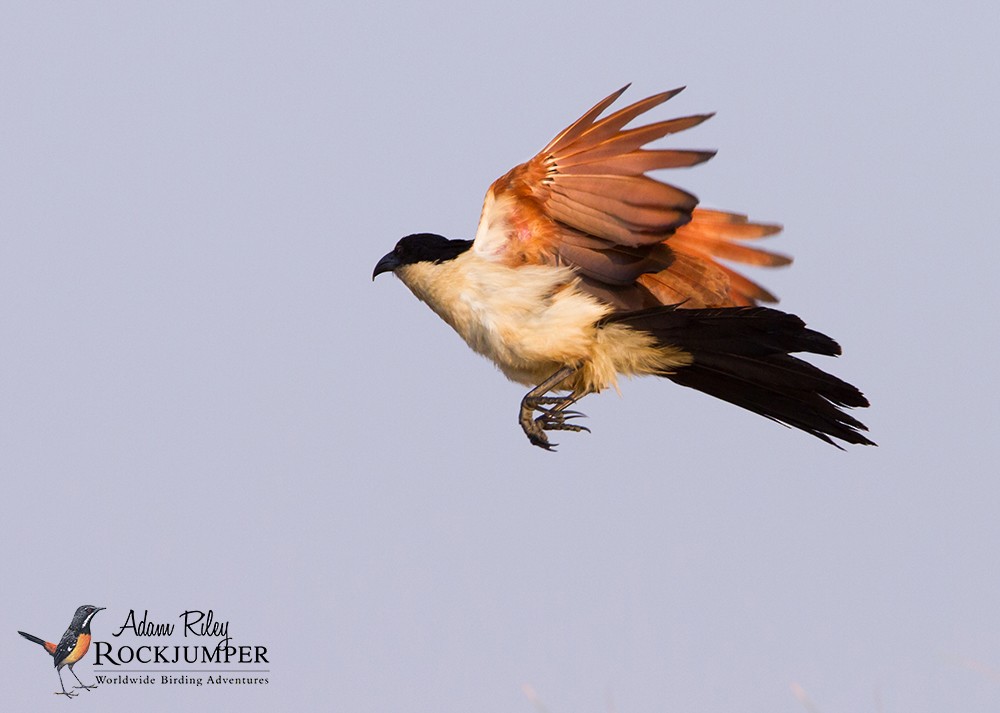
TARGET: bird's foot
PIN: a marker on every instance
(86, 686)
(554, 417)
(68, 694)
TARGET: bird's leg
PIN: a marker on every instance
(68, 694)
(554, 415)
(82, 684)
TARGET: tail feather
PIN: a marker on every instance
(743, 355)
(29, 637)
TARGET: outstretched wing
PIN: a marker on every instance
(585, 201)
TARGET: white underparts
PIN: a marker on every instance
(533, 320)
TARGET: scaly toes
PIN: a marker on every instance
(558, 421)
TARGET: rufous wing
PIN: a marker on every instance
(585, 201)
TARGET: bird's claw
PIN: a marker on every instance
(551, 419)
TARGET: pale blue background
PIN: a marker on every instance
(205, 402)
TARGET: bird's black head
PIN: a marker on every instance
(84, 614)
(421, 247)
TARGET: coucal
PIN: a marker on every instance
(583, 268)
(71, 647)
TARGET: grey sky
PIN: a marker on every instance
(205, 402)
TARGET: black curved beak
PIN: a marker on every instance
(387, 264)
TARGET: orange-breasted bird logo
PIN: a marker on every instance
(71, 647)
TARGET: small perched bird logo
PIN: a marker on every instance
(71, 647)
(584, 268)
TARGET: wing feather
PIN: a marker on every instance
(709, 248)
(586, 201)
(649, 225)
(640, 191)
(744, 291)
(589, 220)
(571, 132)
(689, 281)
(633, 163)
(611, 266)
(634, 138)
(610, 125)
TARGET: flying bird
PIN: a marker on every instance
(584, 268)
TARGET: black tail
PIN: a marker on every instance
(741, 355)
(29, 637)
